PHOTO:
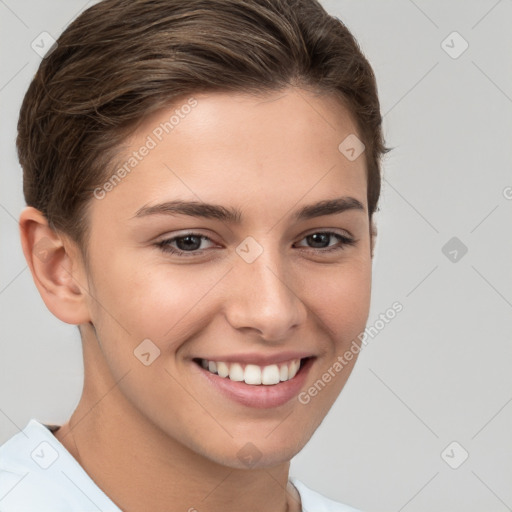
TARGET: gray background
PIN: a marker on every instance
(437, 373)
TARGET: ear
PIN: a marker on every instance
(373, 236)
(56, 268)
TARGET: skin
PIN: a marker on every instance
(267, 156)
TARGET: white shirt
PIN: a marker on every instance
(38, 474)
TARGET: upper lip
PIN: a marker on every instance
(258, 359)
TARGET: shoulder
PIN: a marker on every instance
(313, 501)
(38, 473)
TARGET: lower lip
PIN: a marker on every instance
(260, 396)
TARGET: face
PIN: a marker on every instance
(249, 288)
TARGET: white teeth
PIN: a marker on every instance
(254, 374)
(270, 374)
(236, 372)
(283, 373)
(293, 369)
(222, 369)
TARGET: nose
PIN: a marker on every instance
(264, 296)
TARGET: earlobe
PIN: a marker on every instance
(55, 268)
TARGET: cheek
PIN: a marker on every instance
(340, 296)
(136, 299)
(157, 301)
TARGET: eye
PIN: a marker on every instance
(322, 237)
(188, 244)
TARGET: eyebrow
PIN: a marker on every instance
(234, 215)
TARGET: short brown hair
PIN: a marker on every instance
(121, 60)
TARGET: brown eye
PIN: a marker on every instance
(187, 245)
(320, 238)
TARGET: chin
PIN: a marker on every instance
(258, 452)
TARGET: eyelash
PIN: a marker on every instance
(165, 246)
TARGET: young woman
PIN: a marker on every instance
(200, 179)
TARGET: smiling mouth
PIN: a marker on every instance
(253, 374)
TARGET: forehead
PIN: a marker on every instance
(218, 146)
(219, 120)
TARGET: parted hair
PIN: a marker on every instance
(121, 60)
